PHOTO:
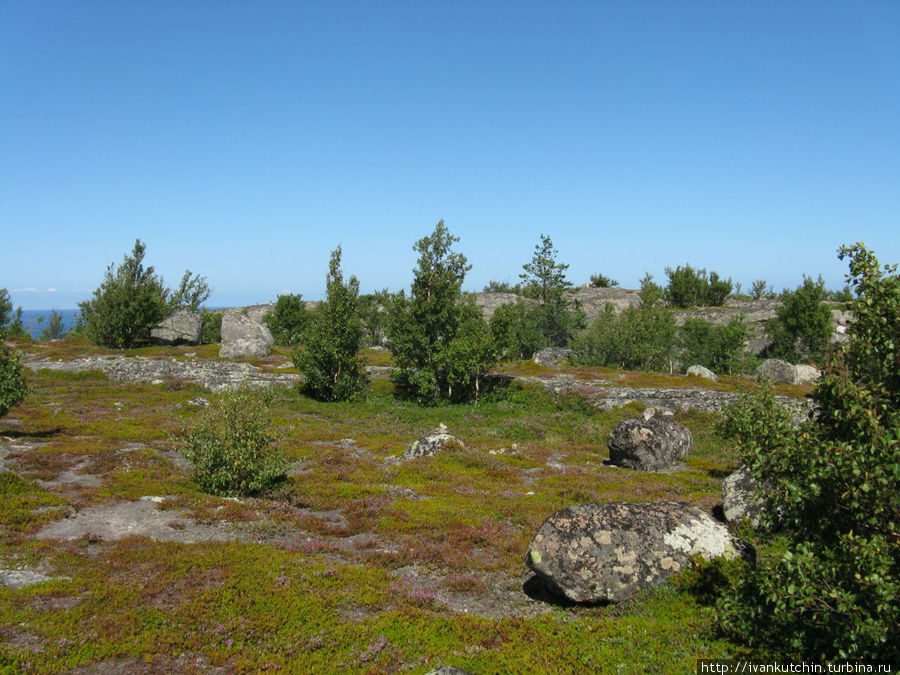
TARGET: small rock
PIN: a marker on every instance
(704, 372)
(437, 440)
(808, 374)
(648, 443)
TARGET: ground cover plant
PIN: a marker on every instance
(356, 563)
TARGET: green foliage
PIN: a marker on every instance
(640, 338)
(719, 348)
(128, 303)
(54, 329)
(557, 316)
(651, 292)
(10, 321)
(760, 289)
(802, 327)
(231, 450)
(13, 387)
(694, 288)
(516, 332)
(192, 292)
(329, 345)
(844, 295)
(288, 320)
(833, 590)
(373, 312)
(433, 328)
(210, 327)
(502, 287)
(603, 281)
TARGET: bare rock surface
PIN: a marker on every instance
(181, 327)
(778, 371)
(21, 578)
(243, 334)
(214, 375)
(740, 497)
(704, 372)
(552, 356)
(437, 440)
(808, 374)
(648, 443)
(607, 552)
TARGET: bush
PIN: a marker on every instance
(373, 312)
(832, 588)
(802, 325)
(10, 321)
(13, 387)
(288, 320)
(329, 345)
(693, 288)
(54, 329)
(130, 301)
(516, 332)
(603, 281)
(192, 292)
(502, 287)
(210, 327)
(719, 348)
(441, 344)
(231, 449)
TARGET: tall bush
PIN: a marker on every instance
(327, 356)
(831, 589)
(288, 319)
(544, 279)
(434, 330)
(719, 348)
(13, 386)
(802, 325)
(694, 288)
(516, 333)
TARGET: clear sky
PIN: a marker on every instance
(245, 140)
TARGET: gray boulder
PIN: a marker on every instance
(704, 372)
(740, 498)
(552, 356)
(244, 336)
(808, 374)
(607, 552)
(648, 443)
(778, 371)
(434, 442)
(181, 327)
(447, 670)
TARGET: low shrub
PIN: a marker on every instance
(210, 327)
(13, 387)
(231, 449)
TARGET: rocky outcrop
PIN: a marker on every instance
(181, 327)
(807, 374)
(740, 498)
(778, 371)
(552, 356)
(437, 440)
(648, 443)
(607, 552)
(704, 372)
(244, 335)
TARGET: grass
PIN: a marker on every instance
(357, 563)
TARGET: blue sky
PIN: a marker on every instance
(245, 140)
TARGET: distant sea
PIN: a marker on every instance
(33, 327)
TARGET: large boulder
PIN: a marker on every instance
(740, 497)
(607, 552)
(648, 443)
(434, 442)
(181, 327)
(778, 371)
(552, 356)
(808, 374)
(704, 372)
(244, 336)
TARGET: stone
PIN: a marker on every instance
(447, 670)
(648, 443)
(22, 578)
(808, 374)
(740, 498)
(435, 441)
(607, 552)
(704, 372)
(778, 371)
(244, 336)
(552, 356)
(181, 327)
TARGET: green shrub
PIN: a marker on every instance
(760, 289)
(231, 449)
(435, 330)
(694, 288)
(54, 329)
(603, 281)
(373, 312)
(516, 332)
(10, 321)
(502, 287)
(13, 387)
(210, 327)
(719, 348)
(802, 325)
(192, 292)
(832, 588)
(556, 314)
(288, 320)
(333, 337)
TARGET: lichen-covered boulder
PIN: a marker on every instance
(607, 552)
(651, 442)
(807, 374)
(244, 336)
(552, 356)
(181, 327)
(778, 371)
(704, 372)
(435, 441)
(740, 497)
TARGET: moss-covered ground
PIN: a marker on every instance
(356, 563)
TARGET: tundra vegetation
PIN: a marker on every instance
(337, 557)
